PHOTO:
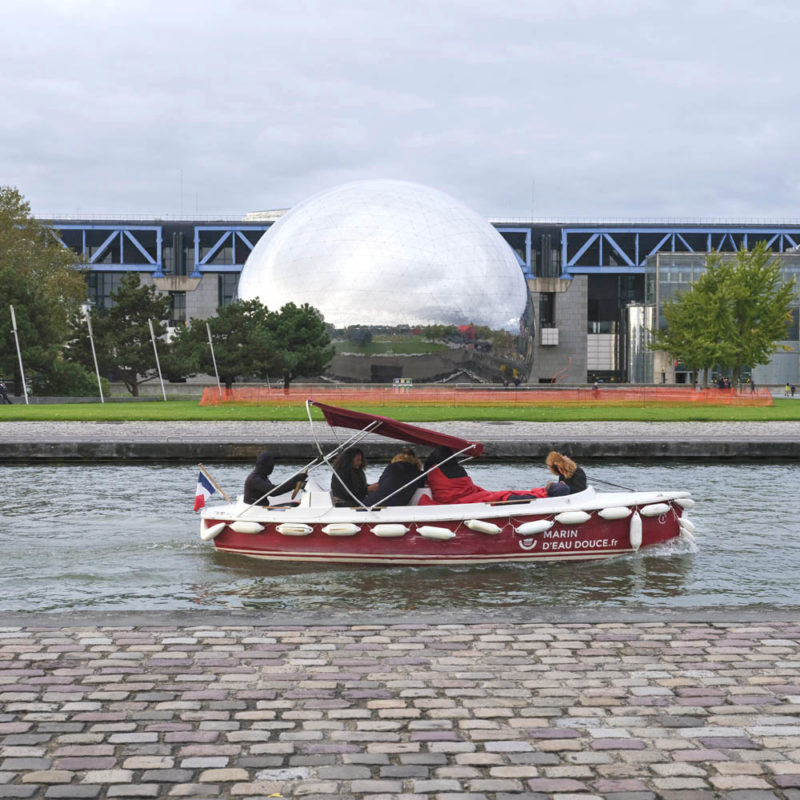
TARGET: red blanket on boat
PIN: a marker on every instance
(461, 490)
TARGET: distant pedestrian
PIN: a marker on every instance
(791, 390)
(4, 398)
(786, 389)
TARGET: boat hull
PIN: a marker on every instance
(478, 533)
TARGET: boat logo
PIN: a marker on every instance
(528, 544)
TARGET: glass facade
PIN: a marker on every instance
(100, 286)
(668, 274)
(227, 284)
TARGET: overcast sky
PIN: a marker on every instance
(544, 108)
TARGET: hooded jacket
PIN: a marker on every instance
(257, 484)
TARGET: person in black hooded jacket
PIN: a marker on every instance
(257, 484)
(399, 481)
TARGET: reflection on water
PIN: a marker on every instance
(103, 537)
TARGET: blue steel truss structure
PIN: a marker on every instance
(223, 248)
(114, 247)
(626, 249)
(618, 249)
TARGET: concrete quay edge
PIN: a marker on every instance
(336, 617)
(227, 441)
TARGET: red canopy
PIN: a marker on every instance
(392, 429)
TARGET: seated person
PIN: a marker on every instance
(449, 483)
(405, 470)
(257, 485)
(571, 478)
(349, 481)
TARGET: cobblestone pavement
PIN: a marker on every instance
(628, 710)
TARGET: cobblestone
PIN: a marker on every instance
(386, 710)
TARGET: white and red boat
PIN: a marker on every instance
(310, 528)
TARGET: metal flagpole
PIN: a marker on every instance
(19, 353)
(94, 354)
(214, 359)
(155, 350)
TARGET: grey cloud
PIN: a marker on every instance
(581, 109)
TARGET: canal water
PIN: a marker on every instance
(101, 537)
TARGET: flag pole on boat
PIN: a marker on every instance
(213, 482)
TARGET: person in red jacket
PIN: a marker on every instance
(449, 483)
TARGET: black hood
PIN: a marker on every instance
(265, 463)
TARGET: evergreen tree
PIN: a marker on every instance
(122, 333)
(301, 343)
(240, 334)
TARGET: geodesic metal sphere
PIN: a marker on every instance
(387, 252)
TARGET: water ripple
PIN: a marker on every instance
(124, 537)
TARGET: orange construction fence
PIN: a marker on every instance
(500, 396)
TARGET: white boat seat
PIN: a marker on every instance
(418, 493)
(316, 499)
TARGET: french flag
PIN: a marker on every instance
(203, 492)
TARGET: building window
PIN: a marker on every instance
(177, 308)
(547, 310)
(100, 285)
(228, 283)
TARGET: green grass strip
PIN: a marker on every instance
(189, 409)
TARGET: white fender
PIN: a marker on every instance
(686, 536)
(482, 526)
(341, 529)
(685, 502)
(572, 517)
(294, 529)
(654, 509)
(432, 532)
(614, 512)
(389, 530)
(687, 525)
(636, 531)
(535, 526)
(244, 526)
(206, 534)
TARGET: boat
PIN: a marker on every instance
(306, 526)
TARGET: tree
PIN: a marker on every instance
(122, 333)
(694, 334)
(759, 309)
(40, 278)
(733, 315)
(241, 336)
(301, 344)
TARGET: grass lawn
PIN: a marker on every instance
(391, 345)
(182, 409)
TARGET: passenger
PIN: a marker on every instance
(405, 470)
(571, 478)
(349, 475)
(449, 483)
(257, 485)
